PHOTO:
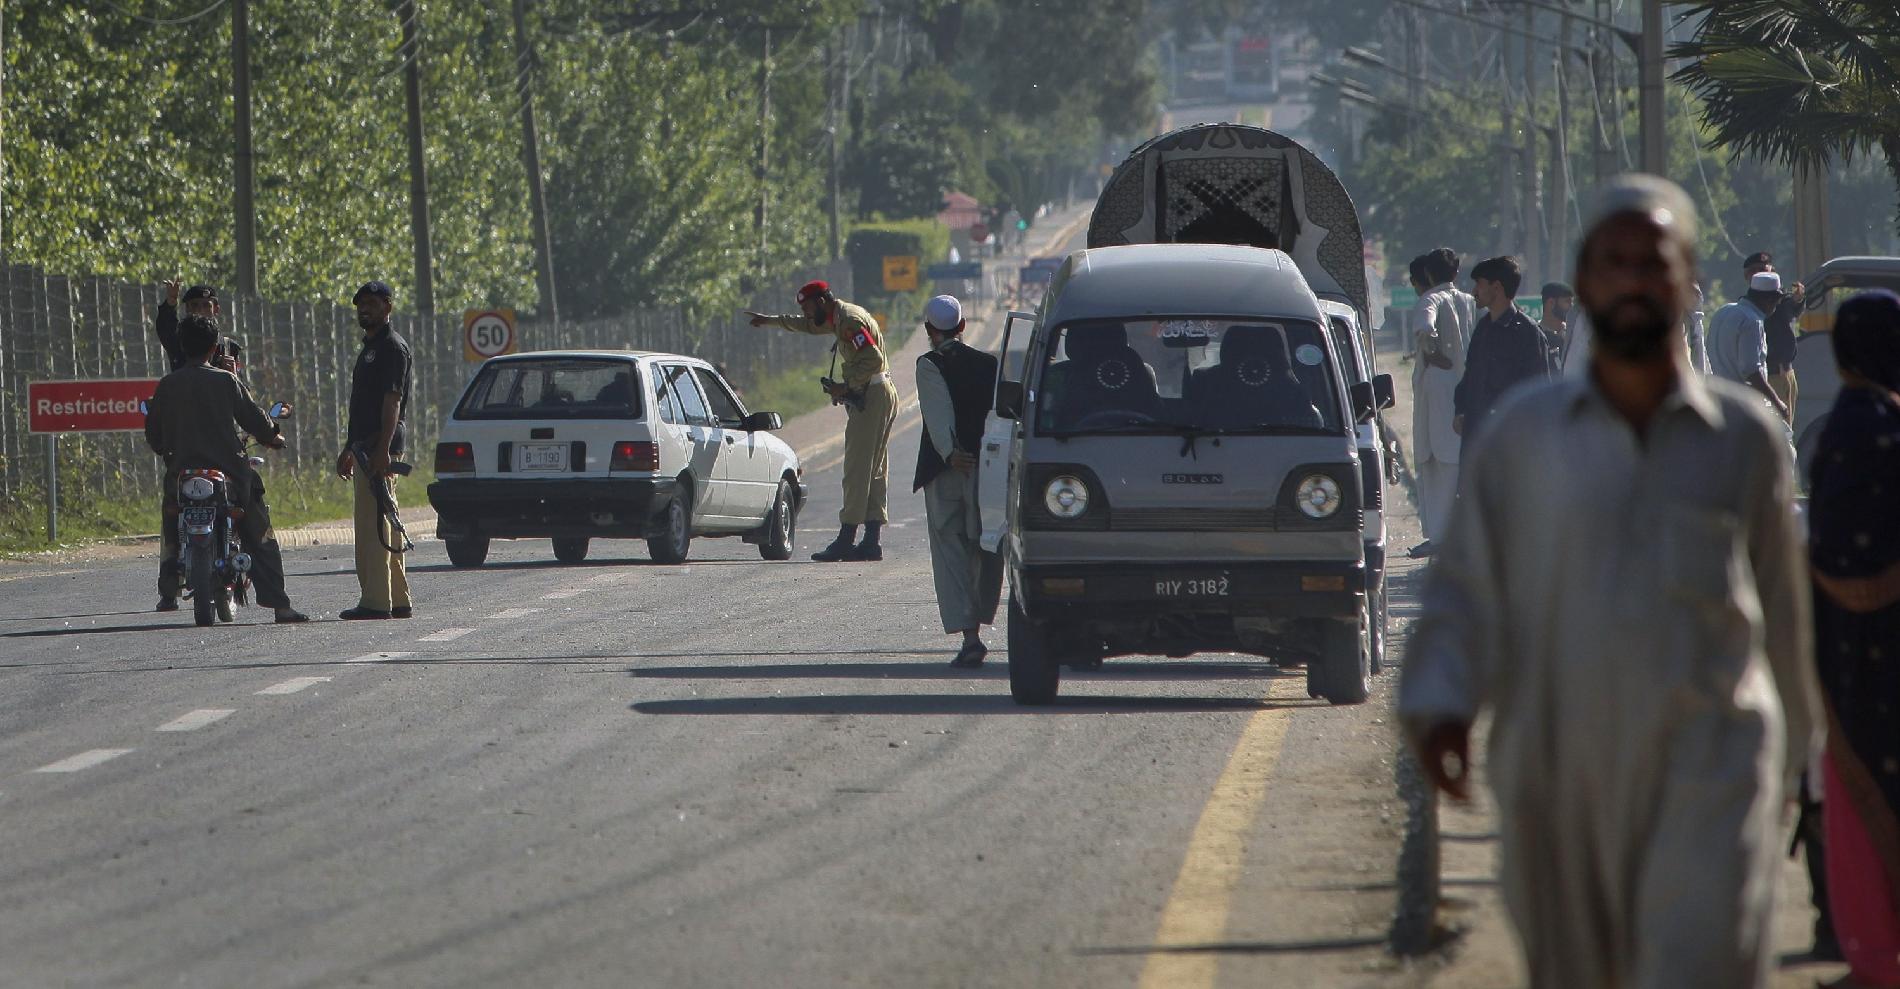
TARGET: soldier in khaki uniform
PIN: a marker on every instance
(871, 406)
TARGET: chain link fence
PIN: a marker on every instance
(54, 327)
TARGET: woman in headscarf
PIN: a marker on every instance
(1854, 550)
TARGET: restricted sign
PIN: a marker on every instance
(96, 406)
(488, 333)
(900, 273)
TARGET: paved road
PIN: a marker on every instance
(729, 773)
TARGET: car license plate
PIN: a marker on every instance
(543, 456)
(1192, 587)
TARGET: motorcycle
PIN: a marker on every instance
(210, 556)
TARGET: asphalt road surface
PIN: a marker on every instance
(728, 773)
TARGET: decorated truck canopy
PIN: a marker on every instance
(1235, 184)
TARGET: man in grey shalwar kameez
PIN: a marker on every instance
(1623, 587)
(955, 383)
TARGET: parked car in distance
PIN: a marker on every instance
(574, 446)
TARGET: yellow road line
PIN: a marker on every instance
(1196, 912)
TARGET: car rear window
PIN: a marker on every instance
(554, 388)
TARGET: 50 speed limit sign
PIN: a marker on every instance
(488, 333)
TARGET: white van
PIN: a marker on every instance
(578, 445)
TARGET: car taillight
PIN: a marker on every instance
(455, 458)
(631, 455)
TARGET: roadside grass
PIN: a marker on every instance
(296, 498)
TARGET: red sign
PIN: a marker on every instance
(113, 406)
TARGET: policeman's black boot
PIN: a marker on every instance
(869, 550)
(841, 548)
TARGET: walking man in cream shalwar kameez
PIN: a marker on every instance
(1441, 327)
(1624, 588)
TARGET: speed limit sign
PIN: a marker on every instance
(488, 333)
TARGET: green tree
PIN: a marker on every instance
(1797, 81)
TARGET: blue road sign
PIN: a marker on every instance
(1033, 275)
(1049, 263)
(964, 271)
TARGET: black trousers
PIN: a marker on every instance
(255, 536)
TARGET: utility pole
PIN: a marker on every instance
(1533, 209)
(243, 194)
(1560, 159)
(1602, 87)
(1810, 219)
(835, 57)
(418, 174)
(1650, 81)
(765, 136)
(531, 161)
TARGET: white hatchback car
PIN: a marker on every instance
(578, 445)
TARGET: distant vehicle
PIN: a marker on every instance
(578, 445)
(1818, 378)
(1175, 470)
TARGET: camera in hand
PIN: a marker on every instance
(852, 400)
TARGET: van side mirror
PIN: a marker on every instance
(761, 422)
(1009, 399)
(1364, 401)
(1382, 391)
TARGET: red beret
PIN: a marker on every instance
(812, 290)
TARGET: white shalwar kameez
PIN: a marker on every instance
(1443, 321)
(1632, 609)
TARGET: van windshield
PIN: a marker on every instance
(553, 388)
(1205, 375)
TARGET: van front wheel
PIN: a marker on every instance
(1034, 674)
(1343, 672)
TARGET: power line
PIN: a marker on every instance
(167, 21)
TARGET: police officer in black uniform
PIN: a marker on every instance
(380, 391)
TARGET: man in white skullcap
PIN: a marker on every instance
(1738, 339)
(955, 384)
(1623, 587)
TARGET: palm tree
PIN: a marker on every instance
(1799, 82)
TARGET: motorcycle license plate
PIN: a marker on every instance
(1214, 586)
(199, 520)
(542, 456)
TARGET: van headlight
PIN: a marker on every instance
(1066, 497)
(198, 488)
(1318, 496)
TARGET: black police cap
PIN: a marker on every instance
(200, 292)
(372, 288)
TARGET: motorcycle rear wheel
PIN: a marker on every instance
(203, 595)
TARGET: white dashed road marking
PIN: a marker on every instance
(291, 686)
(512, 613)
(446, 635)
(84, 760)
(197, 719)
(564, 595)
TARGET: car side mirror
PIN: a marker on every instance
(762, 422)
(1009, 399)
(1382, 391)
(1364, 401)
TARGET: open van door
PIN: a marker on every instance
(996, 457)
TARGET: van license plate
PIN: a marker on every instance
(543, 456)
(1193, 587)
